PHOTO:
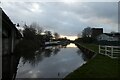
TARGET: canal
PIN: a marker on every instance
(53, 62)
(49, 62)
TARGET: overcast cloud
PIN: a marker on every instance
(65, 18)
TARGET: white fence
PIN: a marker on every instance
(111, 51)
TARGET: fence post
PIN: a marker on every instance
(111, 51)
(105, 50)
(99, 48)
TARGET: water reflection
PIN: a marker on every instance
(83, 55)
(47, 62)
(71, 45)
(40, 54)
(56, 50)
(51, 62)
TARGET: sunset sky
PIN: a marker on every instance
(67, 17)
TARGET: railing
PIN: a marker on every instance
(111, 51)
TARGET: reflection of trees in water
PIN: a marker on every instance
(26, 49)
(35, 57)
(56, 49)
(47, 52)
(79, 51)
(32, 58)
(64, 46)
(83, 55)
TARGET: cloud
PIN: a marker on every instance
(66, 1)
(65, 18)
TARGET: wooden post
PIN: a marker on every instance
(111, 51)
(99, 49)
(105, 50)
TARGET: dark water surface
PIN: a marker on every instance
(51, 62)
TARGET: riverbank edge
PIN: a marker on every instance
(86, 51)
(91, 53)
(80, 46)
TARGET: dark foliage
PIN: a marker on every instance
(86, 40)
(29, 33)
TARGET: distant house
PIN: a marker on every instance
(96, 31)
(109, 37)
(10, 35)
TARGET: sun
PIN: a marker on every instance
(36, 7)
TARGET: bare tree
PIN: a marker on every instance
(48, 35)
(56, 35)
(86, 32)
(79, 35)
(39, 29)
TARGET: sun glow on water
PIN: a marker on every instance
(71, 45)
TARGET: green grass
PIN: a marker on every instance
(93, 47)
(99, 67)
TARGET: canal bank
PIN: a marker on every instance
(88, 52)
(98, 67)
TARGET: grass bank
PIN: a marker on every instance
(99, 67)
(92, 47)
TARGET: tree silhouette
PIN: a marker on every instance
(48, 35)
(36, 26)
(56, 35)
(86, 32)
(29, 33)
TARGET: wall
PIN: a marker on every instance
(96, 32)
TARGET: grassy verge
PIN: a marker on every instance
(93, 47)
(99, 67)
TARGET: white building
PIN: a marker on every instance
(108, 37)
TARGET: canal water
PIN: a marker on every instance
(51, 62)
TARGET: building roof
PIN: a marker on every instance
(97, 28)
(7, 20)
(113, 34)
